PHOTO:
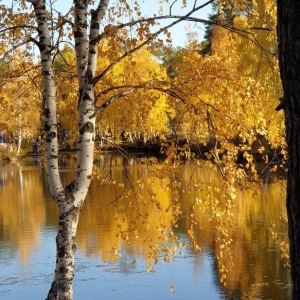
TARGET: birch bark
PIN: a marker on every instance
(70, 198)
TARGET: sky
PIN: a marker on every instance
(178, 32)
(150, 7)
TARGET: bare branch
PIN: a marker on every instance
(14, 47)
(132, 88)
(195, 4)
(182, 18)
(170, 11)
(112, 99)
(13, 28)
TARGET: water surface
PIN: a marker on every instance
(115, 242)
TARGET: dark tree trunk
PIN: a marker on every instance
(289, 60)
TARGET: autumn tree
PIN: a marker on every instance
(65, 79)
(171, 59)
(217, 16)
(146, 106)
(85, 25)
(230, 96)
(20, 98)
(218, 94)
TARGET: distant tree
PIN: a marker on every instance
(20, 102)
(206, 43)
(217, 17)
(171, 60)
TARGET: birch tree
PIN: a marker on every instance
(37, 22)
(70, 198)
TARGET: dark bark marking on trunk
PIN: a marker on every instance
(86, 97)
(47, 111)
(46, 73)
(78, 34)
(95, 25)
(41, 47)
(70, 189)
(89, 76)
(53, 291)
(50, 136)
(87, 127)
(47, 127)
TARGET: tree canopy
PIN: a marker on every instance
(100, 69)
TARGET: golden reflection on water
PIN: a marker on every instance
(137, 213)
(22, 210)
(257, 227)
(138, 210)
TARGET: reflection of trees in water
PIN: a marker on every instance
(7, 247)
(252, 270)
(3, 180)
(121, 215)
(133, 214)
(22, 211)
(127, 261)
(254, 211)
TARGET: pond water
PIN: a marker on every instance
(120, 232)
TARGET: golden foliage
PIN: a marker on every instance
(226, 99)
(20, 100)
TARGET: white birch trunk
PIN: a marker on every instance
(70, 199)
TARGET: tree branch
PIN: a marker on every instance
(132, 88)
(12, 28)
(170, 11)
(163, 29)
